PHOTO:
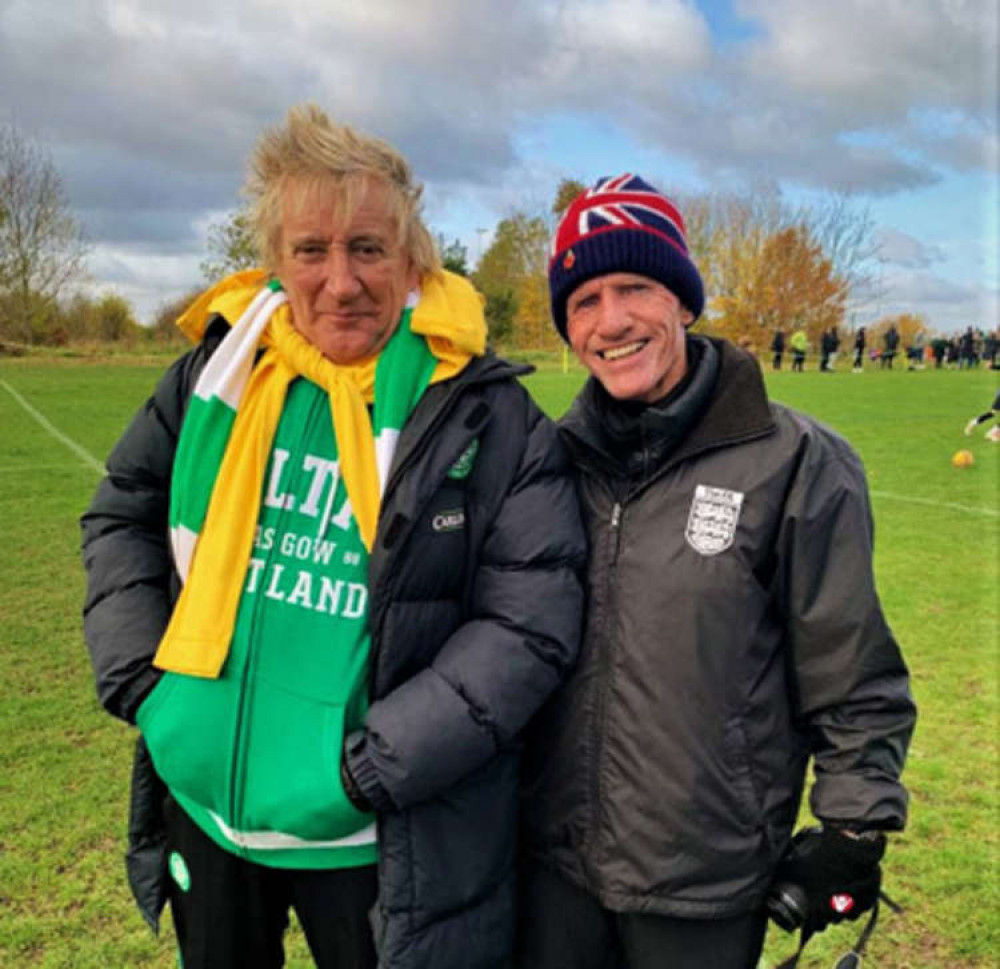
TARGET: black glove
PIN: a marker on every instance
(826, 876)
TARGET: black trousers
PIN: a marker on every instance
(563, 927)
(232, 914)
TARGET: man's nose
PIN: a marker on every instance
(612, 317)
(342, 281)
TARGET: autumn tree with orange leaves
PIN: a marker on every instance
(783, 281)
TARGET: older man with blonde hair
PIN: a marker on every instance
(333, 570)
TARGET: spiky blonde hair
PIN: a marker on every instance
(311, 156)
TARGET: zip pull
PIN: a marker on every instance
(616, 514)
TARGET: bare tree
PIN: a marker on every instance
(729, 235)
(231, 246)
(846, 231)
(42, 247)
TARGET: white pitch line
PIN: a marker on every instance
(31, 468)
(988, 512)
(92, 462)
(82, 453)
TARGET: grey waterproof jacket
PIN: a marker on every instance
(733, 630)
(475, 608)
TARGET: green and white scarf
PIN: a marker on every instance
(229, 429)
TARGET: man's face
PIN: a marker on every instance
(346, 279)
(628, 331)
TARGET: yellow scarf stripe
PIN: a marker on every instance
(197, 638)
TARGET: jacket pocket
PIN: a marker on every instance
(464, 840)
(746, 801)
(291, 781)
(188, 724)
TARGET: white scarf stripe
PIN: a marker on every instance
(183, 541)
(226, 373)
(385, 450)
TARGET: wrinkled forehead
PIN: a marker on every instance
(618, 280)
(342, 199)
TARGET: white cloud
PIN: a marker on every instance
(948, 306)
(146, 281)
(878, 57)
(899, 249)
(151, 106)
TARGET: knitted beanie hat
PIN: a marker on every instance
(622, 225)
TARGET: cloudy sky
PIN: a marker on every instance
(149, 109)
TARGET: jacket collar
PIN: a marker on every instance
(736, 410)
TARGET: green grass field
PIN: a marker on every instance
(64, 764)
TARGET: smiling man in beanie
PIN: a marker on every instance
(733, 632)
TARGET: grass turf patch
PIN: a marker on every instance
(64, 765)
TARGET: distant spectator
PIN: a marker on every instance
(915, 352)
(951, 354)
(825, 349)
(890, 342)
(990, 346)
(939, 347)
(993, 434)
(799, 345)
(859, 350)
(778, 348)
(978, 342)
(967, 350)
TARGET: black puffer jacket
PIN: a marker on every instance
(476, 606)
(733, 631)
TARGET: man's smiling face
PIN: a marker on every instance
(628, 331)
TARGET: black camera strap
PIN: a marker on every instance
(851, 959)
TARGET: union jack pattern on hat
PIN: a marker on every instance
(622, 224)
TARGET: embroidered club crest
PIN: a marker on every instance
(569, 259)
(463, 466)
(712, 519)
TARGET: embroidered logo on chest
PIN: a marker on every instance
(449, 521)
(712, 519)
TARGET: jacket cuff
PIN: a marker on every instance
(363, 771)
(135, 693)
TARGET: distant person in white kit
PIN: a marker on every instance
(993, 433)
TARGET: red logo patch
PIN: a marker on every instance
(569, 259)
(841, 904)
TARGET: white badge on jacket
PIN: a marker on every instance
(712, 519)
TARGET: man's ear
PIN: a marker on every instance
(687, 317)
(412, 277)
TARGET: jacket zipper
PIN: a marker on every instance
(381, 596)
(600, 711)
(240, 752)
